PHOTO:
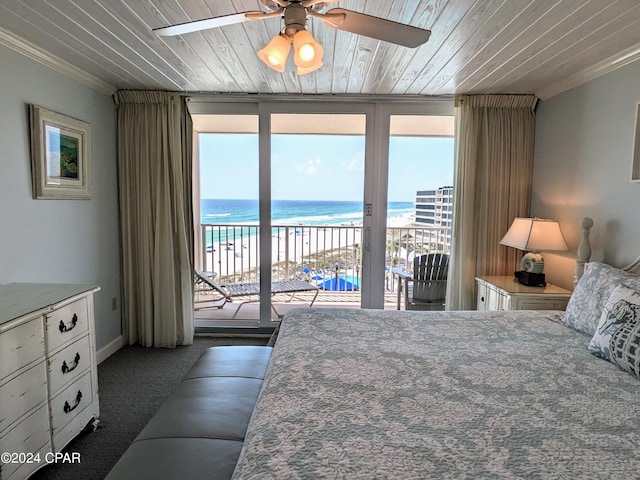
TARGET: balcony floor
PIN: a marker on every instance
(250, 311)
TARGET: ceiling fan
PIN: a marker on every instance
(307, 52)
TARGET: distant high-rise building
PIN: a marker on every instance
(434, 208)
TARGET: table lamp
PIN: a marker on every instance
(534, 235)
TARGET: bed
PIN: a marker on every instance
(386, 394)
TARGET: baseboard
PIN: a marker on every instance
(233, 332)
(108, 350)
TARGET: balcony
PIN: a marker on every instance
(313, 254)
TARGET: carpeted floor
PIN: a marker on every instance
(133, 383)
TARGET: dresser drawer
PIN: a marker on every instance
(22, 393)
(542, 304)
(48, 375)
(72, 429)
(20, 346)
(69, 403)
(68, 364)
(30, 437)
(66, 323)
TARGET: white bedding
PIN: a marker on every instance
(381, 394)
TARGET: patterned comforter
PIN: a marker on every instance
(447, 395)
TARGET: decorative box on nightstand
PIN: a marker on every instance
(506, 293)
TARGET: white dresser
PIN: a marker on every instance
(48, 374)
(506, 293)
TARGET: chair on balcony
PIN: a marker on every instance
(209, 294)
(426, 287)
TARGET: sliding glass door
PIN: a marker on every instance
(316, 156)
(317, 191)
(294, 200)
(420, 196)
(226, 206)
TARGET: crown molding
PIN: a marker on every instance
(625, 57)
(45, 58)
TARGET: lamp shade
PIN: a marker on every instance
(275, 53)
(535, 234)
(304, 71)
(307, 53)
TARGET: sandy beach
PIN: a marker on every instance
(294, 248)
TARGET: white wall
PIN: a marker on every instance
(582, 167)
(60, 241)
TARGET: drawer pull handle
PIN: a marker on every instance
(66, 368)
(68, 408)
(64, 328)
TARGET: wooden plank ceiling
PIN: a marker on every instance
(481, 46)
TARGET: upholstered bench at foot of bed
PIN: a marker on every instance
(199, 431)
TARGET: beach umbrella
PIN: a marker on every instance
(340, 284)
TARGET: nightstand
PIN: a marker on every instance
(506, 293)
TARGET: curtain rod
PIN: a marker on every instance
(252, 97)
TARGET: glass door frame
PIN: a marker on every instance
(266, 109)
(378, 112)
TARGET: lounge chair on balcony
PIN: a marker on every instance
(426, 287)
(209, 294)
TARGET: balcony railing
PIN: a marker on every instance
(311, 253)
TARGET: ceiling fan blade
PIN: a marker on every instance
(379, 28)
(207, 23)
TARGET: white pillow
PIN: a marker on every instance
(592, 291)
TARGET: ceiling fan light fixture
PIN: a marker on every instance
(307, 52)
(305, 70)
(275, 53)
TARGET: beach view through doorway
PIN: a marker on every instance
(316, 227)
(317, 191)
(420, 172)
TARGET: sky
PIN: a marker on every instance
(320, 167)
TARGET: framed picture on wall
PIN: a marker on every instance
(635, 165)
(60, 155)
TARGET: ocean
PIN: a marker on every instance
(284, 213)
(293, 212)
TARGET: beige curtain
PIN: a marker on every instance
(493, 173)
(154, 174)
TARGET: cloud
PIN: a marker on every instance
(309, 167)
(355, 164)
